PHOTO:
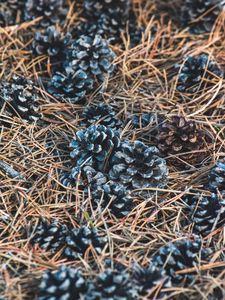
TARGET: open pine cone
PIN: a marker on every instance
(138, 166)
(63, 283)
(92, 55)
(21, 97)
(93, 146)
(112, 284)
(52, 43)
(51, 11)
(70, 86)
(207, 213)
(200, 15)
(216, 181)
(79, 240)
(179, 256)
(177, 136)
(195, 71)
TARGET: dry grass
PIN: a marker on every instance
(146, 81)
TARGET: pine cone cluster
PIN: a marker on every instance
(70, 86)
(179, 135)
(93, 146)
(88, 60)
(200, 15)
(195, 70)
(54, 236)
(216, 182)
(51, 42)
(179, 256)
(51, 11)
(207, 213)
(64, 283)
(21, 98)
(138, 166)
(92, 55)
(101, 114)
(49, 236)
(79, 240)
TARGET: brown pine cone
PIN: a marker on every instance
(179, 135)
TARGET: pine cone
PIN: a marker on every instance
(193, 72)
(6, 16)
(207, 213)
(14, 4)
(88, 176)
(51, 11)
(93, 146)
(70, 86)
(110, 16)
(178, 135)
(143, 120)
(113, 196)
(117, 9)
(64, 283)
(9, 10)
(51, 42)
(148, 280)
(138, 166)
(217, 177)
(112, 284)
(102, 27)
(92, 55)
(49, 236)
(101, 114)
(200, 15)
(22, 98)
(179, 256)
(79, 240)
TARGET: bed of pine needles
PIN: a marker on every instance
(145, 81)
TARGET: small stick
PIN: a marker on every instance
(9, 170)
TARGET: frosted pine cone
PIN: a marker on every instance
(92, 55)
(102, 114)
(49, 236)
(79, 240)
(207, 213)
(51, 11)
(70, 86)
(93, 146)
(179, 256)
(143, 120)
(51, 42)
(201, 15)
(110, 17)
(112, 284)
(147, 279)
(114, 196)
(64, 283)
(217, 177)
(22, 98)
(193, 72)
(138, 166)
(113, 8)
(9, 12)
